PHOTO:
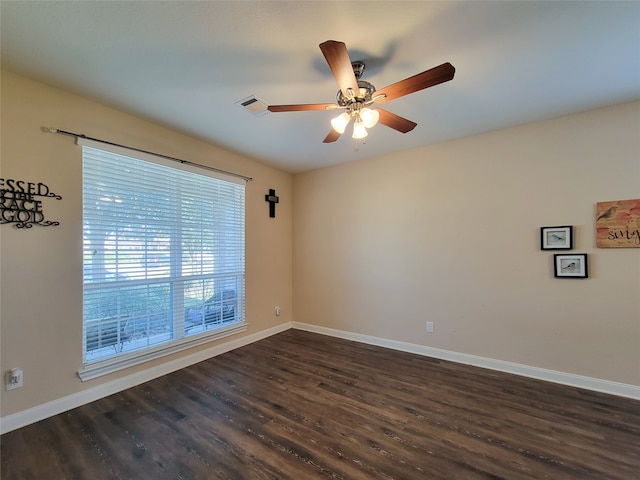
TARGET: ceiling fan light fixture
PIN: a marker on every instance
(340, 122)
(369, 117)
(355, 94)
(359, 130)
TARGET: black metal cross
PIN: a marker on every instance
(272, 199)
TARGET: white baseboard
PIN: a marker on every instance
(49, 409)
(55, 407)
(589, 383)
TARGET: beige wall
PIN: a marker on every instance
(447, 233)
(450, 234)
(41, 268)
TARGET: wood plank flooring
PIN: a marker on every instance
(304, 406)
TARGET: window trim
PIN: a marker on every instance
(98, 369)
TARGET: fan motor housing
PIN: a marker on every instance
(366, 91)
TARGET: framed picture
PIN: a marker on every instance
(556, 238)
(570, 266)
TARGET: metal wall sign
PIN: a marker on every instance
(21, 204)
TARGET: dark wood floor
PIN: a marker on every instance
(304, 406)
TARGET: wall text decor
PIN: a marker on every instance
(618, 224)
(20, 203)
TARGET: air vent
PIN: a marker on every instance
(253, 105)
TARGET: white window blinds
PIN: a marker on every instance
(164, 263)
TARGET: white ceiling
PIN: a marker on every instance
(185, 64)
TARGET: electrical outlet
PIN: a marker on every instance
(430, 327)
(278, 311)
(13, 379)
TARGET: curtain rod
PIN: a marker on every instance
(187, 162)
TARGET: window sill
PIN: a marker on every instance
(113, 365)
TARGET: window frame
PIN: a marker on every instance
(184, 341)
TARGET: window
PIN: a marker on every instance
(163, 257)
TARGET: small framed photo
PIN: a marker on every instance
(556, 238)
(570, 266)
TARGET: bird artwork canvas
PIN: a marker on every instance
(556, 238)
(570, 266)
(618, 224)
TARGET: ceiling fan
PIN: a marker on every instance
(356, 96)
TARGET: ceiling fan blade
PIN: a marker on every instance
(394, 121)
(338, 59)
(332, 136)
(440, 74)
(302, 107)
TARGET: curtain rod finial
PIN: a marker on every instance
(49, 130)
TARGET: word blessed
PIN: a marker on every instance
(19, 203)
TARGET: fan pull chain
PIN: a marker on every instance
(357, 149)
